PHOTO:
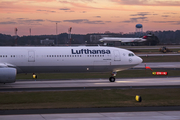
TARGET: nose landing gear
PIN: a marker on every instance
(112, 78)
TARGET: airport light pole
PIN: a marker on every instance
(16, 36)
(69, 30)
(56, 34)
(30, 31)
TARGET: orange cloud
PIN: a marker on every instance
(148, 2)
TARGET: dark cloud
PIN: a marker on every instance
(134, 20)
(97, 16)
(78, 3)
(170, 22)
(108, 21)
(64, 9)
(76, 21)
(46, 11)
(165, 16)
(30, 21)
(169, 13)
(51, 11)
(21, 18)
(141, 14)
(94, 22)
(27, 21)
(8, 22)
(84, 21)
(177, 23)
(54, 21)
(164, 21)
(40, 10)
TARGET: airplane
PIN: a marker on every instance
(123, 40)
(16, 60)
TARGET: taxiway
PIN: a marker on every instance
(48, 85)
(153, 115)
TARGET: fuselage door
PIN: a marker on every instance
(117, 56)
(31, 56)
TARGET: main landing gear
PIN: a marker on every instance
(112, 78)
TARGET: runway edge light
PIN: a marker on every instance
(34, 76)
(138, 98)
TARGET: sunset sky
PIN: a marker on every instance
(87, 16)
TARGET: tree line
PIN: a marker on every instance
(155, 37)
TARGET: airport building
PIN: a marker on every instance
(47, 42)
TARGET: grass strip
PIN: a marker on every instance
(106, 75)
(89, 98)
(161, 58)
(153, 50)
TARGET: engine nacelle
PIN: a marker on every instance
(8, 75)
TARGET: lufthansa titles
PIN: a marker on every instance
(87, 51)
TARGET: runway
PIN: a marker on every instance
(147, 55)
(120, 83)
(159, 65)
(158, 115)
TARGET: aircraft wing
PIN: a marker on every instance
(6, 65)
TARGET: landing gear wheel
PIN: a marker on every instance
(112, 79)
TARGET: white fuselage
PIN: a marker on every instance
(123, 40)
(67, 59)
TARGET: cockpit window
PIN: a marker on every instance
(131, 54)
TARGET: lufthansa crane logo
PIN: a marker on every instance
(130, 60)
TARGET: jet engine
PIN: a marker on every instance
(7, 75)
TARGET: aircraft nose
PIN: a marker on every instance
(140, 60)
